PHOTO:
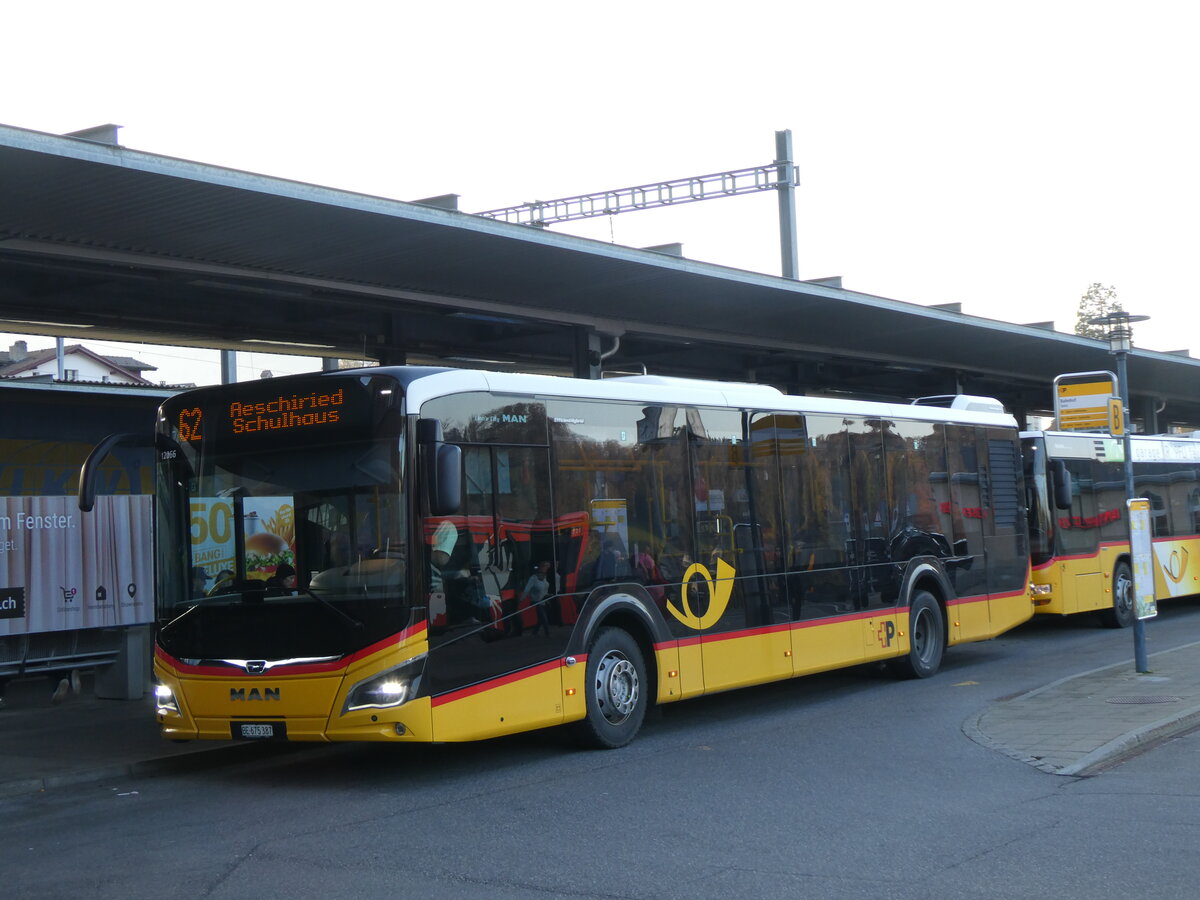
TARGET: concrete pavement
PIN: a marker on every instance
(80, 738)
(1074, 726)
(1080, 724)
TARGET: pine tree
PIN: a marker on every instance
(1097, 301)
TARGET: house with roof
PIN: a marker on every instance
(79, 364)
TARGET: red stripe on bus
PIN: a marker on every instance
(816, 623)
(722, 636)
(979, 598)
(774, 629)
(1091, 554)
(848, 617)
(1021, 593)
(511, 678)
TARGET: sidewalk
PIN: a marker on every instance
(1075, 726)
(82, 738)
(1083, 723)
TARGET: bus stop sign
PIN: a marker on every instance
(1144, 604)
(1088, 401)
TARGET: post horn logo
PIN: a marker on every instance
(1177, 564)
(719, 592)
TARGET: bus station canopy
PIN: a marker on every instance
(101, 241)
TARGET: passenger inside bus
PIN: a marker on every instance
(283, 581)
(647, 572)
(199, 581)
(612, 564)
(456, 576)
(535, 593)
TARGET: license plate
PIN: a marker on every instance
(258, 731)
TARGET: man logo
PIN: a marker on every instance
(236, 694)
(256, 666)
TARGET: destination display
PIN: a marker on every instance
(260, 413)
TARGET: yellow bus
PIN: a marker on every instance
(418, 554)
(1078, 522)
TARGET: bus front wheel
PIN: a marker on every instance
(1122, 613)
(926, 639)
(616, 690)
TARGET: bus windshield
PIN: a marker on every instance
(282, 550)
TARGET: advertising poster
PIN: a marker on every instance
(270, 536)
(1173, 558)
(61, 569)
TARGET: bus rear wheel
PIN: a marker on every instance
(1122, 613)
(926, 639)
(615, 691)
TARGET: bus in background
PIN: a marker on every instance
(1078, 522)
(468, 554)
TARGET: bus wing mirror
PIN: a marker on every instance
(90, 470)
(445, 498)
(1062, 484)
(443, 468)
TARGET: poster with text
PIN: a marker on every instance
(61, 569)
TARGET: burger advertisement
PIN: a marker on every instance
(269, 526)
(266, 548)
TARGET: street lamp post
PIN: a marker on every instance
(1120, 342)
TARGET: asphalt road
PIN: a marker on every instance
(843, 785)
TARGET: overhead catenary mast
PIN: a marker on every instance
(781, 175)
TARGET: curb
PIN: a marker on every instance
(191, 761)
(1106, 754)
(971, 729)
(1132, 741)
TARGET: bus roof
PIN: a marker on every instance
(427, 384)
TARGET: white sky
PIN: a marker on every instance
(1004, 156)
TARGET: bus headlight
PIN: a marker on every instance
(387, 689)
(164, 699)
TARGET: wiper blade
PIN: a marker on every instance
(258, 595)
(356, 623)
(212, 599)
